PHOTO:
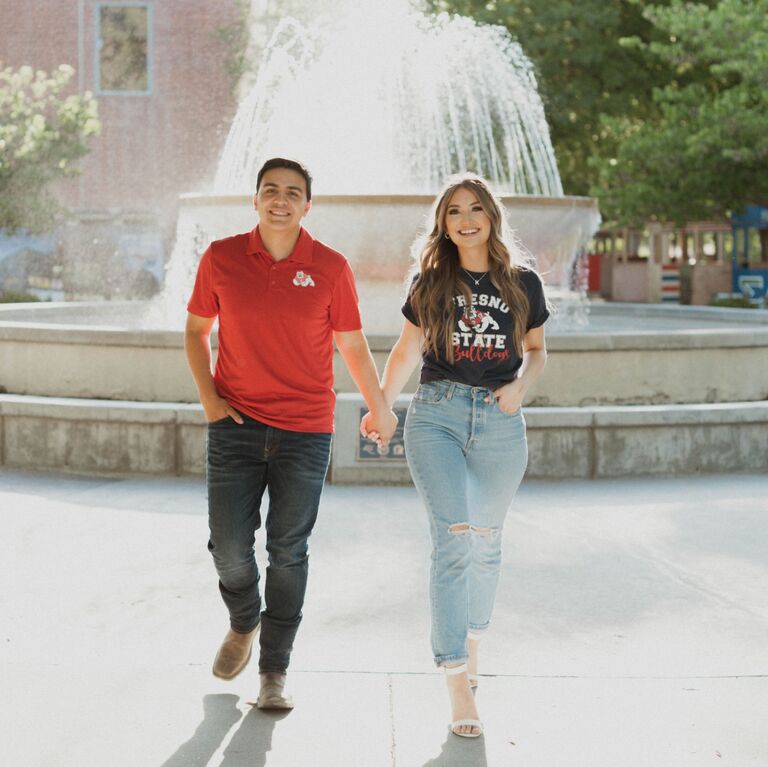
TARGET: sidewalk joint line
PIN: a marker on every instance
(391, 674)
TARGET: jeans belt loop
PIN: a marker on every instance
(451, 388)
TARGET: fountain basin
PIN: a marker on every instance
(628, 354)
(641, 390)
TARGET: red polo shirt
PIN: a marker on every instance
(276, 323)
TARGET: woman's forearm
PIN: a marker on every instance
(405, 355)
(534, 361)
(400, 364)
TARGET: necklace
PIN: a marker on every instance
(476, 281)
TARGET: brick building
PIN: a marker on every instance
(158, 69)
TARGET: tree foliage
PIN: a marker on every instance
(707, 152)
(659, 109)
(42, 134)
(583, 69)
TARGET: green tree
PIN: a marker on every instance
(42, 134)
(707, 151)
(583, 70)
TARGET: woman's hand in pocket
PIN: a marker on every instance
(510, 397)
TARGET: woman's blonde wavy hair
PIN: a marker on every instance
(437, 263)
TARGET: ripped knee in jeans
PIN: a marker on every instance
(462, 528)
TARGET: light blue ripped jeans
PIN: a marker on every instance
(467, 459)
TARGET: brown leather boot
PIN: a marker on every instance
(234, 654)
(271, 694)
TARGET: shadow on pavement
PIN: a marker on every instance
(160, 494)
(253, 740)
(460, 752)
(220, 712)
(248, 746)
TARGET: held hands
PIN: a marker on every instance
(510, 396)
(216, 409)
(379, 427)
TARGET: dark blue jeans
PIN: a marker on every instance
(243, 461)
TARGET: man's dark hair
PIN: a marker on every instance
(281, 162)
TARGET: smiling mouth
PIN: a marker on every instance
(281, 213)
(468, 231)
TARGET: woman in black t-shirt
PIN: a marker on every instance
(474, 316)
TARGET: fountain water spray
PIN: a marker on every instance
(388, 100)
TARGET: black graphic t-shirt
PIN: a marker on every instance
(483, 351)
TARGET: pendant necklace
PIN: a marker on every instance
(476, 281)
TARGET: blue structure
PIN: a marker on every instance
(749, 280)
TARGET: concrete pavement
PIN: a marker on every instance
(631, 630)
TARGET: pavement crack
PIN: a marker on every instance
(392, 755)
(683, 577)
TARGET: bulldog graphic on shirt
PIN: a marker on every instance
(303, 280)
(474, 342)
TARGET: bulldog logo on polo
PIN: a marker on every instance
(303, 280)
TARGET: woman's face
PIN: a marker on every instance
(466, 222)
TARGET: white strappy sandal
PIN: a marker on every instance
(474, 723)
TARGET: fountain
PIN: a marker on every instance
(88, 390)
(439, 95)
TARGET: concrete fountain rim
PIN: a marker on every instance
(749, 328)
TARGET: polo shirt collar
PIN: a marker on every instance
(301, 253)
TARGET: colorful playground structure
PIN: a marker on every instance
(692, 264)
(750, 237)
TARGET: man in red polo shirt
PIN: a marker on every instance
(281, 298)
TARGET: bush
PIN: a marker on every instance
(12, 297)
(735, 301)
(43, 132)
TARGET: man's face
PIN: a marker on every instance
(281, 200)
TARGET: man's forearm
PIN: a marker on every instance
(363, 371)
(198, 350)
(359, 361)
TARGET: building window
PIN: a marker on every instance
(123, 49)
